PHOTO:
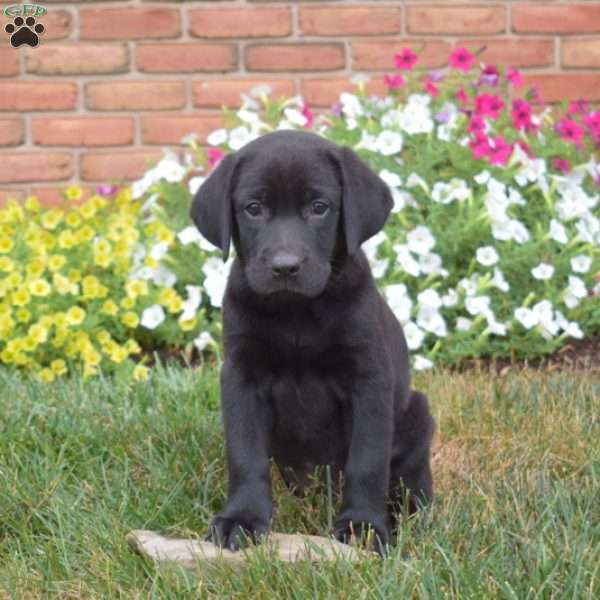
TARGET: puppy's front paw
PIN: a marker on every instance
(235, 532)
(374, 534)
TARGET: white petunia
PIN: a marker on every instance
(239, 137)
(545, 314)
(496, 327)
(388, 143)
(477, 305)
(558, 232)
(351, 105)
(164, 277)
(399, 301)
(431, 263)
(159, 251)
(499, 281)
(294, 116)
(415, 180)
(217, 137)
(247, 116)
(463, 324)
(450, 298)
(191, 304)
(188, 235)
(482, 178)
(392, 179)
(203, 340)
(153, 316)
(406, 260)
(581, 263)
(420, 240)
(526, 317)
(430, 298)
(487, 256)
(216, 272)
(194, 184)
(370, 246)
(543, 271)
(421, 363)
(414, 336)
(429, 319)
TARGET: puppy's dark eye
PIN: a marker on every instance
(319, 208)
(254, 209)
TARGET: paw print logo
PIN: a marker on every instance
(24, 31)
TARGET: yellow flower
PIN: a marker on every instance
(35, 268)
(23, 315)
(103, 247)
(102, 260)
(87, 210)
(59, 366)
(64, 285)
(188, 325)
(136, 287)
(48, 240)
(6, 326)
(75, 315)
(132, 346)
(60, 320)
(97, 201)
(110, 308)
(6, 264)
(38, 333)
(75, 275)
(91, 356)
(46, 375)
(121, 249)
(32, 204)
(131, 236)
(123, 197)
(175, 304)
(29, 344)
(73, 192)
(14, 211)
(128, 303)
(130, 319)
(166, 295)
(6, 245)
(85, 234)
(89, 370)
(66, 239)
(141, 373)
(15, 279)
(118, 354)
(39, 287)
(151, 262)
(56, 262)
(73, 219)
(21, 297)
(52, 218)
(46, 321)
(20, 359)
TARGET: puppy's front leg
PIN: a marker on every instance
(247, 423)
(366, 474)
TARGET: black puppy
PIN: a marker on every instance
(315, 365)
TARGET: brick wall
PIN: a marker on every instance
(114, 82)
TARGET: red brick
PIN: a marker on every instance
(556, 87)
(226, 22)
(218, 92)
(7, 194)
(77, 59)
(9, 61)
(87, 131)
(520, 52)
(135, 95)
(110, 166)
(170, 129)
(325, 92)
(37, 95)
(380, 55)
(566, 18)
(463, 19)
(44, 166)
(580, 53)
(57, 25)
(350, 20)
(295, 57)
(185, 58)
(11, 132)
(128, 23)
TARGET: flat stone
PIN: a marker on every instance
(191, 553)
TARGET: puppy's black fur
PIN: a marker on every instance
(315, 365)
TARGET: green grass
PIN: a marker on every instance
(516, 464)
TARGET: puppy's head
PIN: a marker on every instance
(284, 199)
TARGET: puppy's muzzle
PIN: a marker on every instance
(285, 265)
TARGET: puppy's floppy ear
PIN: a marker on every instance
(366, 200)
(212, 205)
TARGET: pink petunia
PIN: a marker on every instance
(578, 107)
(461, 95)
(476, 124)
(430, 87)
(406, 59)
(310, 118)
(480, 146)
(570, 131)
(500, 151)
(561, 164)
(214, 156)
(525, 147)
(521, 115)
(514, 76)
(393, 82)
(487, 105)
(461, 59)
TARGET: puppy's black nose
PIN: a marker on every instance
(285, 265)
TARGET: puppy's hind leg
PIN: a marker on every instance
(411, 484)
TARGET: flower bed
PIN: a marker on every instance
(492, 247)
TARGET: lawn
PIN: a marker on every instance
(517, 513)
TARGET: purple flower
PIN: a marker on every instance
(436, 76)
(442, 116)
(106, 190)
(489, 76)
(336, 109)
